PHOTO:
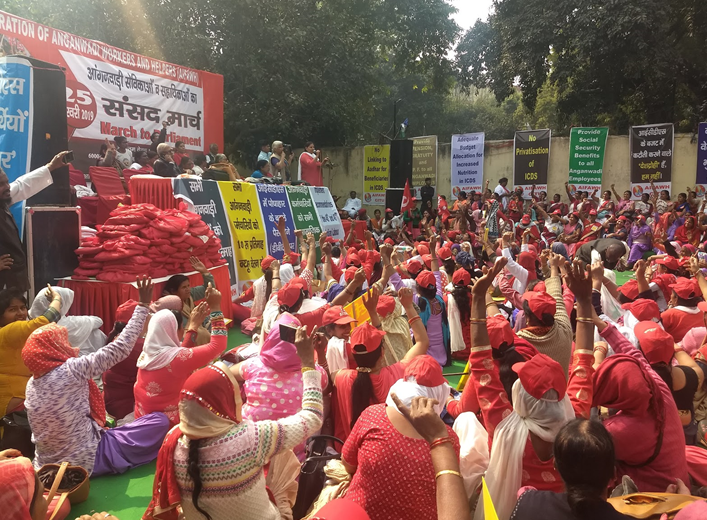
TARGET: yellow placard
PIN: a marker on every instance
(489, 509)
(464, 379)
(357, 310)
(243, 212)
(376, 174)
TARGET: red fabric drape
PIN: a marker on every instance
(102, 299)
(153, 191)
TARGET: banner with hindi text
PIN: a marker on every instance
(304, 214)
(204, 197)
(112, 92)
(467, 162)
(651, 157)
(245, 220)
(701, 160)
(326, 211)
(587, 148)
(274, 204)
(376, 174)
(16, 115)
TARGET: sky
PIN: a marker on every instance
(470, 10)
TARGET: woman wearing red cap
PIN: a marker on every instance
(393, 475)
(370, 382)
(592, 228)
(212, 463)
(259, 293)
(459, 312)
(524, 424)
(525, 270)
(646, 428)
(683, 313)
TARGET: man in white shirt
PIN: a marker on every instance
(503, 191)
(353, 204)
(264, 154)
(13, 261)
(122, 154)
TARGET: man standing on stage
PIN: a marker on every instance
(13, 261)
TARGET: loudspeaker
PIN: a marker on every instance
(394, 199)
(52, 235)
(400, 163)
(49, 130)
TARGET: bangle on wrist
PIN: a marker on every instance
(307, 369)
(477, 320)
(275, 277)
(447, 472)
(413, 320)
(439, 441)
(581, 319)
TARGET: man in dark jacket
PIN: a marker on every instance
(164, 166)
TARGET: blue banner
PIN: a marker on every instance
(204, 198)
(16, 124)
(702, 160)
(274, 204)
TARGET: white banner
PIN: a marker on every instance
(467, 162)
(115, 101)
(327, 212)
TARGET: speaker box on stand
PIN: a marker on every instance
(400, 163)
(394, 199)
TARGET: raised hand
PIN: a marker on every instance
(405, 296)
(579, 280)
(305, 346)
(198, 315)
(145, 289)
(482, 284)
(370, 300)
(198, 265)
(213, 298)
(57, 161)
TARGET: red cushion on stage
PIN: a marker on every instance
(107, 256)
(88, 250)
(85, 264)
(86, 272)
(127, 219)
(167, 250)
(151, 233)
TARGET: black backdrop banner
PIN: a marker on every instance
(531, 151)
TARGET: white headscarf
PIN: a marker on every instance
(544, 417)
(408, 389)
(473, 451)
(161, 342)
(84, 331)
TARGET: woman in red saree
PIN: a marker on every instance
(688, 233)
(310, 165)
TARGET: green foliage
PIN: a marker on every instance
(611, 62)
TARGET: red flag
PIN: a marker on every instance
(407, 202)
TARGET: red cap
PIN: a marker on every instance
(557, 212)
(426, 279)
(388, 209)
(300, 282)
(643, 309)
(386, 305)
(374, 256)
(426, 371)
(444, 253)
(289, 294)
(686, 288)
(367, 336)
(453, 235)
(657, 345)
(623, 218)
(540, 303)
(630, 289)
(592, 212)
(461, 277)
(424, 243)
(690, 248)
(362, 211)
(125, 311)
(350, 273)
(539, 287)
(540, 374)
(353, 259)
(499, 331)
(265, 263)
(337, 315)
(525, 220)
(331, 240)
(423, 249)
(389, 241)
(428, 260)
(414, 267)
(670, 262)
